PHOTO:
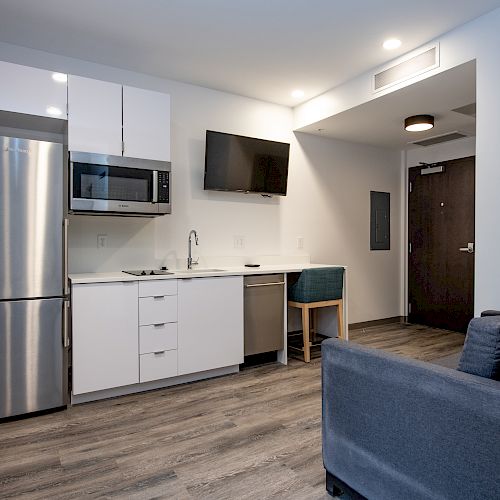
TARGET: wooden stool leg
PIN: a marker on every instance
(340, 322)
(305, 333)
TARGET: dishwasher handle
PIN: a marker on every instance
(265, 284)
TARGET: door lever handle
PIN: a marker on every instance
(468, 249)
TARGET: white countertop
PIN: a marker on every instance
(77, 279)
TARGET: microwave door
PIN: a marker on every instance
(106, 188)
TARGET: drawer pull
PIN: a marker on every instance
(158, 353)
(159, 297)
(158, 325)
(265, 284)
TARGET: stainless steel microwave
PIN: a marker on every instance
(116, 185)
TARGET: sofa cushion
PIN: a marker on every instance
(481, 354)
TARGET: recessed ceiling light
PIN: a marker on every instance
(298, 94)
(419, 123)
(391, 44)
(60, 77)
(52, 110)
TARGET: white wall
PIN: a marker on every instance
(217, 216)
(461, 148)
(329, 206)
(327, 202)
(479, 40)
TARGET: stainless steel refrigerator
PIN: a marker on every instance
(33, 277)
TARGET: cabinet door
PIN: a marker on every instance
(146, 124)
(210, 324)
(105, 336)
(94, 116)
(31, 91)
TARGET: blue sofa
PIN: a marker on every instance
(396, 428)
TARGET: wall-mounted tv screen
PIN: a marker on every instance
(245, 164)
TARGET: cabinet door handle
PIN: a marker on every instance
(66, 324)
(158, 325)
(155, 186)
(65, 257)
(159, 297)
(265, 284)
(157, 353)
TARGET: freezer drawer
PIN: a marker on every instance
(31, 356)
(264, 313)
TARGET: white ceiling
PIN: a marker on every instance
(257, 48)
(380, 122)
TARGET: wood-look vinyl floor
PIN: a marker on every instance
(252, 435)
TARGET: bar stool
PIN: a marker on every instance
(319, 287)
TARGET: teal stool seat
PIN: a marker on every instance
(319, 287)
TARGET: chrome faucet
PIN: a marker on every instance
(190, 262)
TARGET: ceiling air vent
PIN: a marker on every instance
(417, 63)
(439, 139)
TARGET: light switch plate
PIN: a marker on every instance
(102, 240)
(239, 242)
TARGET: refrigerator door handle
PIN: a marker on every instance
(66, 322)
(65, 253)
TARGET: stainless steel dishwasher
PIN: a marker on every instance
(264, 311)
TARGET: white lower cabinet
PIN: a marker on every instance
(105, 336)
(157, 329)
(158, 365)
(210, 323)
(157, 310)
(126, 333)
(159, 337)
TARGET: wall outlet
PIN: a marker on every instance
(300, 242)
(102, 240)
(239, 242)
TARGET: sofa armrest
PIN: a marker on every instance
(399, 428)
(490, 312)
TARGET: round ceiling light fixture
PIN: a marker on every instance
(419, 123)
(391, 44)
(297, 94)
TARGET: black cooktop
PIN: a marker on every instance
(148, 272)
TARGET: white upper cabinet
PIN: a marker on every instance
(94, 116)
(32, 91)
(210, 323)
(146, 124)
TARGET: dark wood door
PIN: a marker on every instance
(440, 224)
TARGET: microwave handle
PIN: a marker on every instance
(155, 186)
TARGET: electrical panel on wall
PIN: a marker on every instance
(380, 220)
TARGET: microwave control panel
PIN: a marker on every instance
(163, 185)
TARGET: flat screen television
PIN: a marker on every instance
(245, 164)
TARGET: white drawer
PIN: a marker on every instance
(157, 287)
(155, 366)
(153, 338)
(155, 310)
